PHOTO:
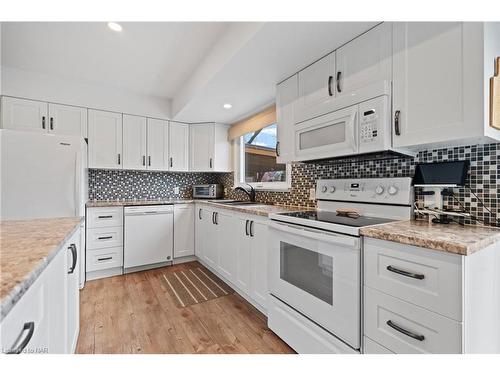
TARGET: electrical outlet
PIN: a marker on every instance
(312, 194)
(176, 190)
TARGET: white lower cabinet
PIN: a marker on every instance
(46, 318)
(234, 246)
(183, 230)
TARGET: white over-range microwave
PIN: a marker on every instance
(361, 128)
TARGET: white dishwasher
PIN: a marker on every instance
(149, 237)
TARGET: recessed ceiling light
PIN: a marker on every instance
(115, 26)
(227, 106)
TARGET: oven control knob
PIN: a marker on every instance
(324, 189)
(392, 190)
(332, 189)
(379, 190)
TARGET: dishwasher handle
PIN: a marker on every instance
(141, 211)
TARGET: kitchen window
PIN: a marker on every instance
(256, 153)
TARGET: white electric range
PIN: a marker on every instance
(315, 262)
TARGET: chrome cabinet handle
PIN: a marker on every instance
(251, 228)
(413, 275)
(278, 148)
(119, 159)
(43, 122)
(105, 217)
(339, 75)
(330, 79)
(415, 336)
(74, 254)
(171, 163)
(216, 218)
(144, 160)
(105, 238)
(213, 217)
(199, 213)
(52, 123)
(149, 160)
(246, 227)
(17, 349)
(397, 126)
(101, 259)
(210, 163)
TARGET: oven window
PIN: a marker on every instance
(204, 191)
(327, 135)
(307, 270)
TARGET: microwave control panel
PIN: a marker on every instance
(374, 124)
(368, 126)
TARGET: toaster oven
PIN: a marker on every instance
(209, 191)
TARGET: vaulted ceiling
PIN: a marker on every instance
(197, 66)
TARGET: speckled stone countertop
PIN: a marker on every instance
(451, 238)
(261, 209)
(26, 248)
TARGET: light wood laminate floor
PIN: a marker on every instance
(134, 313)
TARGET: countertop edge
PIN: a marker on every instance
(15, 295)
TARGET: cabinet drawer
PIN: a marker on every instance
(104, 237)
(426, 278)
(405, 328)
(102, 217)
(102, 259)
(372, 347)
(29, 314)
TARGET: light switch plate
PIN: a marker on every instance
(176, 190)
(312, 194)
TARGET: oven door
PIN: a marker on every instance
(330, 135)
(318, 274)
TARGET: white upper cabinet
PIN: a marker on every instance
(178, 146)
(157, 145)
(105, 140)
(440, 82)
(134, 142)
(364, 61)
(286, 95)
(67, 120)
(316, 88)
(209, 148)
(201, 144)
(22, 114)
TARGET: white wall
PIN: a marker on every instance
(31, 85)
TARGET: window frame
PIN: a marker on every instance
(239, 153)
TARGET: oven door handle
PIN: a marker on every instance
(316, 234)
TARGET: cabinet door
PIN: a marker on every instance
(157, 149)
(57, 281)
(225, 246)
(364, 61)
(105, 139)
(178, 146)
(432, 69)
(316, 88)
(201, 145)
(221, 150)
(210, 254)
(243, 244)
(201, 218)
(183, 230)
(67, 120)
(22, 114)
(134, 142)
(286, 97)
(258, 262)
(73, 253)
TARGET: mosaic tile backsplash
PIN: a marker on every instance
(484, 179)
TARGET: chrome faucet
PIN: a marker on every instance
(251, 193)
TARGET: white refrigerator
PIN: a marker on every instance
(43, 176)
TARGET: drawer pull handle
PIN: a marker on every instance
(18, 349)
(415, 336)
(101, 259)
(105, 217)
(74, 255)
(105, 238)
(413, 275)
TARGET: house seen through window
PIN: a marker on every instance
(260, 157)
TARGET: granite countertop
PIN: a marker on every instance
(262, 209)
(451, 238)
(26, 249)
